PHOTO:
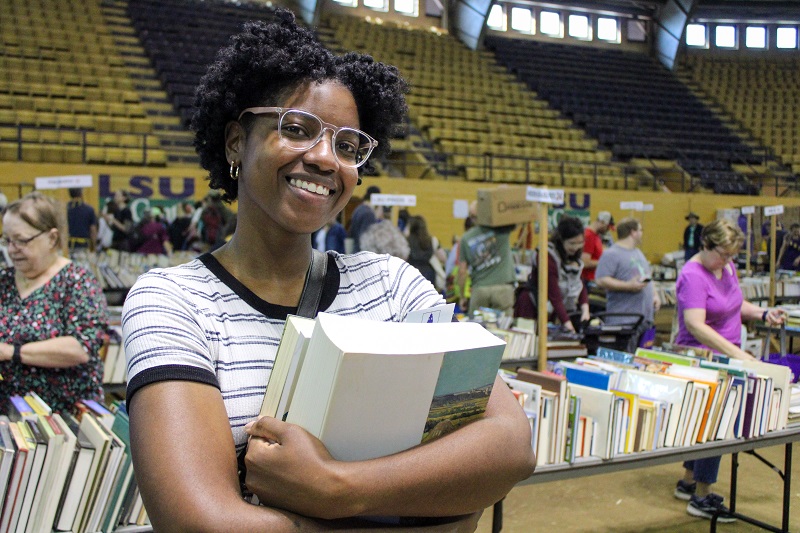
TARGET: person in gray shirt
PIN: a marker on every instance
(624, 273)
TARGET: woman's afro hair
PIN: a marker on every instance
(268, 60)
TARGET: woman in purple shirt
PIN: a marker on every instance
(710, 314)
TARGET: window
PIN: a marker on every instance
(521, 19)
(550, 24)
(725, 37)
(637, 31)
(696, 35)
(496, 19)
(579, 27)
(407, 7)
(786, 38)
(378, 5)
(607, 29)
(348, 3)
(755, 37)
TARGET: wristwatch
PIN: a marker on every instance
(17, 356)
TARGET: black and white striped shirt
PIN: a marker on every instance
(197, 322)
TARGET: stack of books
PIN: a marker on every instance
(62, 473)
(617, 403)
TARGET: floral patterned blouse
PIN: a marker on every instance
(70, 304)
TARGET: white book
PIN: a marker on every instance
(695, 416)
(55, 486)
(726, 420)
(675, 390)
(39, 472)
(78, 483)
(781, 379)
(101, 441)
(117, 453)
(546, 421)
(7, 451)
(288, 358)
(26, 445)
(599, 405)
(369, 389)
(531, 393)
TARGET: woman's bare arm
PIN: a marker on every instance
(185, 463)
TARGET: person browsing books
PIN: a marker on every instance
(711, 309)
(566, 293)
(53, 315)
(283, 125)
(624, 272)
(593, 245)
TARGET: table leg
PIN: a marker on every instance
(497, 517)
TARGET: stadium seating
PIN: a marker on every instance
(64, 86)
(478, 120)
(633, 106)
(760, 94)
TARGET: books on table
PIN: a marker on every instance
(368, 389)
(7, 451)
(599, 405)
(68, 507)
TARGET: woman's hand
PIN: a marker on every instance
(585, 314)
(289, 468)
(775, 317)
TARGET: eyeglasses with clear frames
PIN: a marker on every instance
(19, 243)
(302, 131)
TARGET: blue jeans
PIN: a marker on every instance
(705, 470)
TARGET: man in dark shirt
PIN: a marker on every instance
(363, 216)
(691, 236)
(82, 222)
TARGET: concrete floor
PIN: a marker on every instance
(641, 501)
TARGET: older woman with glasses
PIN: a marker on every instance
(711, 310)
(284, 125)
(53, 316)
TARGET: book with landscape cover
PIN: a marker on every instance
(368, 389)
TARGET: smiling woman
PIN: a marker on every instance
(284, 126)
(53, 315)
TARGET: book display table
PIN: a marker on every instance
(594, 466)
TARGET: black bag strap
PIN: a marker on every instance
(315, 282)
(307, 307)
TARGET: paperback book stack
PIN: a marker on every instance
(65, 473)
(617, 403)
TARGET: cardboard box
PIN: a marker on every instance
(502, 206)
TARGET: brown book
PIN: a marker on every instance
(556, 384)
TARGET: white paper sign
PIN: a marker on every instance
(460, 209)
(646, 207)
(631, 206)
(405, 200)
(64, 182)
(748, 210)
(773, 210)
(545, 196)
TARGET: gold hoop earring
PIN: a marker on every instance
(234, 171)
